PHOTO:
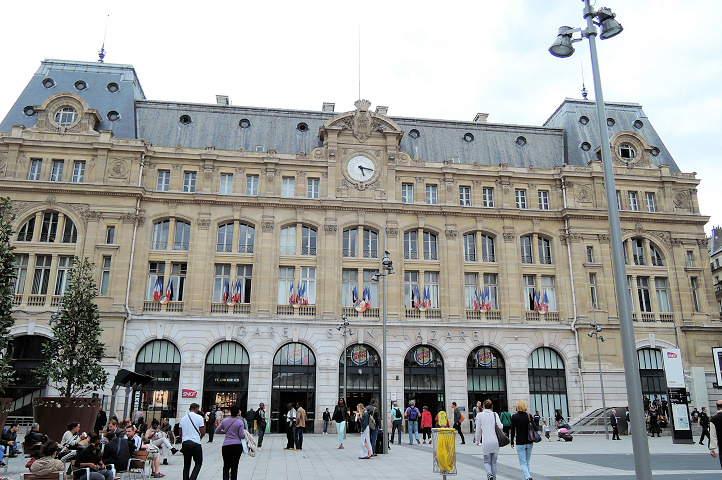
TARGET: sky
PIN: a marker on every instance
(444, 60)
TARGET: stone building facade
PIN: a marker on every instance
(263, 221)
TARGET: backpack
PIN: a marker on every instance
(398, 413)
(413, 414)
(372, 420)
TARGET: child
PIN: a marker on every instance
(546, 431)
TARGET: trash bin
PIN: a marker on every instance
(444, 451)
(380, 439)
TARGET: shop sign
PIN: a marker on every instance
(295, 355)
(359, 355)
(484, 357)
(187, 393)
(423, 356)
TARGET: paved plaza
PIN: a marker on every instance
(587, 457)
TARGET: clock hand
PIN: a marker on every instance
(362, 168)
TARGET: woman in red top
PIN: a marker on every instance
(426, 424)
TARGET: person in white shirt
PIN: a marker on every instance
(132, 437)
(489, 442)
(192, 429)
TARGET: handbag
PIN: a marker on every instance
(533, 435)
(500, 435)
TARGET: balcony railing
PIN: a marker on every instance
(493, 315)
(413, 313)
(666, 317)
(219, 307)
(224, 248)
(648, 317)
(371, 254)
(348, 253)
(303, 310)
(307, 310)
(55, 300)
(36, 300)
(532, 316)
(308, 251)
(183, 246)
(17, 300)
(473, 315)
(411, 255)
(469, 257)
(284, 309)
(158, 245)
(545, 260)
(431, 256)
(488, 258)
(527, 259)
(174, 307)
(151, 306)
(244, 308)
(372, 312)
(245, 249)
(433, 313)
(552, 317)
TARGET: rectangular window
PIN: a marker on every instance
(638, 251)
(491, 286)
(308, 279)
(590, 254)
(41, 274)
(487, 249)
(545, 251)
(159, 240)
(110, 235)
(548, 293)
(349, 243)
(226, 183)
(431, 286)
(411, 288)
(56, 174)
(251, 184)
(690, 258)
(189, 182)
(633, 205)
(471, 281)
(593, 290)
(61, 275)
(49, 229)
(372, 286)
(178, 272)
(20, 267)
(349, 280)
(285, 284)
(430, 250)
(244, 276)
(526, 253)
(470, 247)
(308, 241)
(651, 204)
(432, 197)
(162, 183)
(35, 167)
(629, 290)
(371, 244)
(543, 199)
(695, 293)
(313, 188)
(529, 291)
(645, 302)
(104, 276)
(407, 193)
(288, 186)
(221, 283)
(662, 295)
(520, 196)
(78, 172)
(411, 249)
(156, 271)
(488, 197)
(465, 196)
(288, 240)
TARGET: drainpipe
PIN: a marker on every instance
(574, 296)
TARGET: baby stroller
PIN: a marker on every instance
(565, 435)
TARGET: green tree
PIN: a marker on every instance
(75, 351)
(7, 284)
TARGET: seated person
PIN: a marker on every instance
(118, 450)
(153, 453)
(34, 441)
(10, 434)
(89, 457)
(160, 439)
(47, 463)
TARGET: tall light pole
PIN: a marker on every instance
(596, 330)
(562, 47)
(344, 326)
(388, 269)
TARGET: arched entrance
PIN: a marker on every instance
(27, 355)
(547, 383)
(424, 378)
(651, 373)
(486, 378)
(363, 376)
(161, 360)
(225, 380)
(294, 380)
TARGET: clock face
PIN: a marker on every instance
(361, 168)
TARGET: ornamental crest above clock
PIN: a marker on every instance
(361, 169)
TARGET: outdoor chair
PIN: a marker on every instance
(136, 466)
(50, 476)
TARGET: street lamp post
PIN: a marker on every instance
(388, 269)
(562, 47)
(596, 330)
(344, 326)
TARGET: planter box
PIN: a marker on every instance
(53, 414)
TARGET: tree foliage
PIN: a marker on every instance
(74, 353)
(7, 283)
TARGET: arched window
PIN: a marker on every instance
(545, 251)
(487, 247)
(526, 253)
(656, 256)
(246, 238)
(288, 240)
(369, 246)
(49, 228)
(25, 234)
(225, 382)
(430, 249)
(182, 236)
(161, 360)
(651, 372)
(349, 242)
(160, 235)
(470, 247)
(547, 383)
(486, 377)
(424, 378)
(293, 380)
(411, 246)
(308, 241)
(225, 238)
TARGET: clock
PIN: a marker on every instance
(361, 169)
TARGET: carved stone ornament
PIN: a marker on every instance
(240, 169)
(208, 173)
(204, 223)
(451, 234)
(664, 237)
(267, 226)
(702, 242)
(362, 120)
(329, 229)
(419, 179)
(92, 215)
(177, 166)
(603, 238)
(300, 173)
(404, 157)
(272, 153)
(392, 232)
(506, 189)
(50, 202)
(318, 152)
(132, 218)
(584, 194)
(302, 154)
(509, 237)
(681, 199)
(270, 173)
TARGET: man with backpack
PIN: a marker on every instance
(374, 423)
(704, 423)
(396, 421)
(412, 414)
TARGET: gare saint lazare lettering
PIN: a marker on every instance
(429, 335)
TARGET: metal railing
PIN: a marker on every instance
(36, 300)
(242, 308)
(174, 307)
(151, 306)
(219, 307)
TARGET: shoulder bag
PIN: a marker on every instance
(500, 435)
(533, 434)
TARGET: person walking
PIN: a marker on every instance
(261, 423)
(374, 432)
(412, 414)
(653, 422)
(232, 448)
(716, 432)
(704, 423)
(192, 428)
(458, 420)
(250, 419)
(488, 420)
(290, 426)
(426, 424)
(614, 422)
(340, 416)
(477, 422)
(520, 422)
(506, 421)
(300, 427)
(211, 424)
(396, 420)
(326, 421)
(366, 451)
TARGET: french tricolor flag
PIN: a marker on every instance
(157, 289)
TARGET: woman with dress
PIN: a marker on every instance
(366, 451)
(489, 420)
(340, 416)
(426, 423)
(520, 422)
(232, 448)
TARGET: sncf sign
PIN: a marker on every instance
(186, 393)
(671, 355)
